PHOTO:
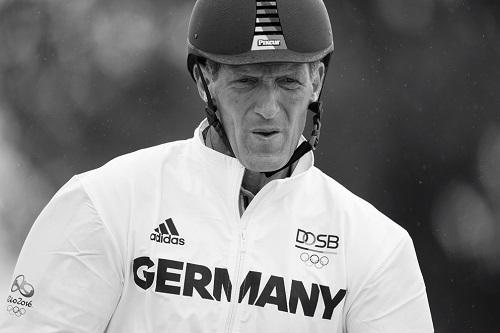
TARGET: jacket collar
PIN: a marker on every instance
(217, 159)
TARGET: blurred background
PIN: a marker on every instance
(412, 120)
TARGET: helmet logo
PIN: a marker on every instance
(268, 34)
(270, 42)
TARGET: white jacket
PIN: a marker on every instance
(153, 241)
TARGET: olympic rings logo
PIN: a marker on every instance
(314, 259)
(26, 289)
(15, 310)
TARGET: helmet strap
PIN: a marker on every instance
(210, 110)
(306, 146)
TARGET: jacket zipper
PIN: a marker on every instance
(240, 253)
(243, 222)
(234, 302)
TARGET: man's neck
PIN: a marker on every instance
(253, 181)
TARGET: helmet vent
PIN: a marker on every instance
(268, 34)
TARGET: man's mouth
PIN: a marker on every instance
(265, 133)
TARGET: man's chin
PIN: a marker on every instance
(264, 163)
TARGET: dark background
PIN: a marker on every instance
(412, 120)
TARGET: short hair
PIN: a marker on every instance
(213, 68)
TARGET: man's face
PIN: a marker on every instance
(263, 109)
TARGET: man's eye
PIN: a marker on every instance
(290, 83)
(244, 82)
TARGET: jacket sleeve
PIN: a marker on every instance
(394, 299)
(68, 277)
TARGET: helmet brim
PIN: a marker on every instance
(250, 57)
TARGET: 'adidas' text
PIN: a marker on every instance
(167, 239)
(167, 233)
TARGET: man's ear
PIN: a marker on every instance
(318, 78)
(199, 84)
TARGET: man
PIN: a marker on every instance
(233, 230)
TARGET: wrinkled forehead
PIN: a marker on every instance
(269, 69)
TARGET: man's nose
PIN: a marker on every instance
(267, 105)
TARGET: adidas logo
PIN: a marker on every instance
(167, 233)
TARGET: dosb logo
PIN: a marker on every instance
(309, 240)
(167, 233)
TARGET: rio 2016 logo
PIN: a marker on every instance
(20, 284)
(17, 305)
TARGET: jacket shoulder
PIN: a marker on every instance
(133, 181)
(370, 238)
(137, 163)
(359, 213)
(136, 171)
